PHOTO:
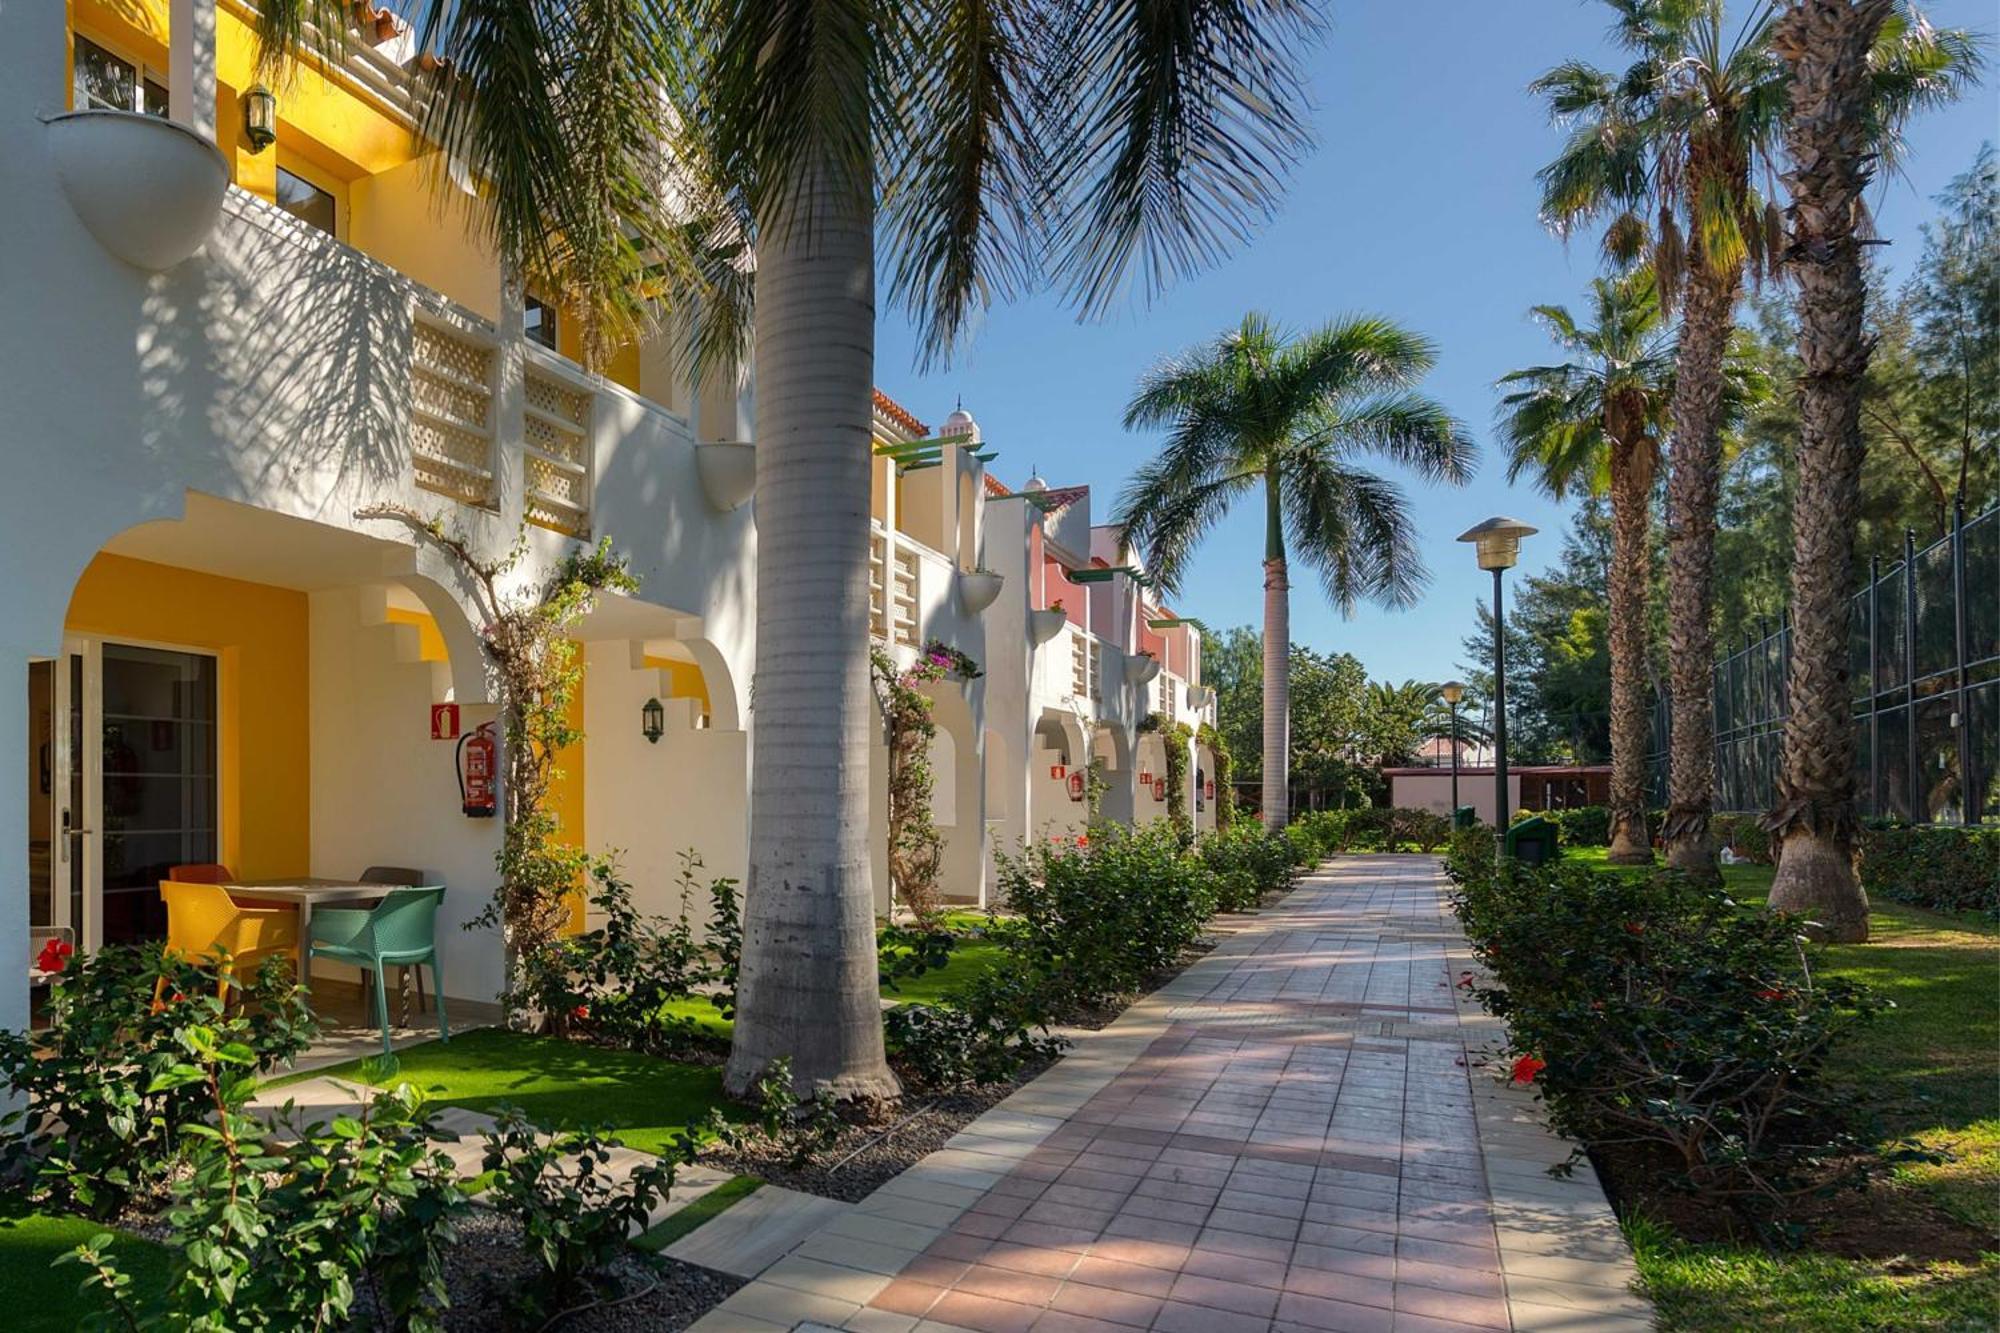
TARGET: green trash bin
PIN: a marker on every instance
(1532, 841)
(1464, 817)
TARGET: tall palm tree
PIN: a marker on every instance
(1828, 136)
(1594, 424)
(1669, 151)
(1255, 411)
(1094, 145)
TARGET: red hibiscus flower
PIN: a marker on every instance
(580, 1014)
(55, 955)
(1526, 1067)
(1635, 928)
(1772, 994)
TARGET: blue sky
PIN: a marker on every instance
(1419, 205)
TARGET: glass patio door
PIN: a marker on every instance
(63, 794)
(157, 788)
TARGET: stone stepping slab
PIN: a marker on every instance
(756, 1231)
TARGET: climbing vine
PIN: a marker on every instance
(1225, 795)
(1174, 738)
(916, 849)
(534, 661)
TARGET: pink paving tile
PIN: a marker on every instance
(1242, 1243)
(1178, 1317)
(1352, 1288)
(933, 1271)
(1472, 1281)
(983, 1313)
(1328, 1259)
(1220, 1294)
(956, 1245)
(1235, 1268)
(1335, 1316)
(982, 1224)
(1006, 1284)
(1030, 1259)
(1483, 1258)
(1098, 1270)
(1118, 1307)
(1478, 1311)
(1058, 1321)
(905, 1297)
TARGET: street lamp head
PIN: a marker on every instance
(1451, 692)
(1499, 541)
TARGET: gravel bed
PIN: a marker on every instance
(876, 1146)
(653, 1292)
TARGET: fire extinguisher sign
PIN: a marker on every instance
(444, 722)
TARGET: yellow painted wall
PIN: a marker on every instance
(684, 679)
(430, 642)
(260, 635)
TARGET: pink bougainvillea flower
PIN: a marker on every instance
(1465, 981)
(1526, 1067)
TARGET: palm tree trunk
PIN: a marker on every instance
(1826, 43)
(1277, 666)
(1693, 486)
(809, 984)
(1630, 575)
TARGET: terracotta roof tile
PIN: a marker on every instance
(899, 414)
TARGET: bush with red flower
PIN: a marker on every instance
(94, 1121)
(1653, 1016)
(55, 955)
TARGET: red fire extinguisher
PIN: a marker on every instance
(1076, 786)
(478, 774)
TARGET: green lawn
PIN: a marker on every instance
(646, 1100)
(973, 956)
(710, 1205)
(1931, 1067)
(42, 1298)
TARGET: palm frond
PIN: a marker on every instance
(294, 32)
(964, 207)
(1165, 516)
(1184, 118)
(1354, 530)
(1407, 429)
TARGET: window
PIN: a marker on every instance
(307, 202)
(540, 323)
(105, 82)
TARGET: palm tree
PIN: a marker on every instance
(1828, 136)
(1095, 145)
(1668, 150)
(1254, 410)
(1594, 424)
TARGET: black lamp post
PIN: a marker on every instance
(1451, 692)
(1498, 542)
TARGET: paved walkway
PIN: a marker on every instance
(1298, 1133)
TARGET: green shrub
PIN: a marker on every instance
(1095, 921)
(1945, 869)
(1247, 863)
(574, 1218)
(981, 1032)
(95, 1121)
(1655, 1013)
(281, 1236)
(1581, 825)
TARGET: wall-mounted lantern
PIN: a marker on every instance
(653, 720)
(1057, 771)
(260, 118)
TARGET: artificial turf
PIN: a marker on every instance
(40, 1296)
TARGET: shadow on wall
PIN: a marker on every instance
(282, 358)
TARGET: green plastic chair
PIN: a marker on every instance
(401, 930)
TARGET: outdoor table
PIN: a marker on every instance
(304, 891)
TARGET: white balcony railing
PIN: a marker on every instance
(555, 446)
(451, 411)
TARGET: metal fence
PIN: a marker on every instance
(1925, 666)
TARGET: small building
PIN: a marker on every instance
(1530, 787)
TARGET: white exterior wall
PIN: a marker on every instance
(384, 792)
(647, 801)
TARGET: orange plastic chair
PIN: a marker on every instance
(204, 922)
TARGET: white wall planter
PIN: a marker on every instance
(977, 589)
(728, 471)
(149, 189)
(1140, 670)
(1045, 625)
(1198, 696)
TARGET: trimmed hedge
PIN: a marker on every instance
(1373, 828)
(1946, 869)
